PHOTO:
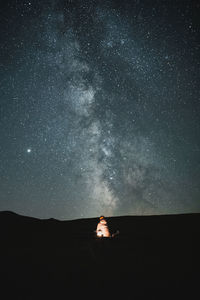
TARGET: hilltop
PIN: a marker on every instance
(153, 256)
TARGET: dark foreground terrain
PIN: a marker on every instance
(153, 257)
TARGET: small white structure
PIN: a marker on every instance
(102, 228)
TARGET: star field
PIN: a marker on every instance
(100, 108)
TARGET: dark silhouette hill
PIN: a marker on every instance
(153, 257)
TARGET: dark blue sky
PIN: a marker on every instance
(100, 107)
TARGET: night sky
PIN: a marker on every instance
(99, 107)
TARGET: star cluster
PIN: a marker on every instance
(100, 108)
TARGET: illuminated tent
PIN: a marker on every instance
(102, 228)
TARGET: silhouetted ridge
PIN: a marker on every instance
(153, 257)
(22, 230)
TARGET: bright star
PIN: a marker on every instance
(29, 150)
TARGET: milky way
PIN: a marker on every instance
(100, 108)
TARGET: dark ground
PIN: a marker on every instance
(153, 257)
